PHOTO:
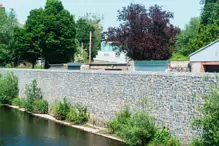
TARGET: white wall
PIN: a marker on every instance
(211, 53)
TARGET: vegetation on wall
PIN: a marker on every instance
(8, 88)
(208, 122)
(65, 111)
(140, 130)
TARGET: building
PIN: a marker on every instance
(109, 54)
(206, 59)
(1, 6)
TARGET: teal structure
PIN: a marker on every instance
(151, 66)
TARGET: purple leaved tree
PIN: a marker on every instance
(144, 34)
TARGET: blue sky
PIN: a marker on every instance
(183, 9)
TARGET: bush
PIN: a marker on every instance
(40, 107)
(209, 120)
(140, 129)
(179, 57)
(23, 103)
(72, 115)
(33, 92)
(16, 102)
(122, 118)
(82, 116)
(61, 110)
(164, 138)
(64, 111)
(8, 88)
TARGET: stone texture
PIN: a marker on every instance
(172, 97)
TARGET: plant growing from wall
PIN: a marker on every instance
(139, 129)
(8, 88)
(209, 120)
(33, 92)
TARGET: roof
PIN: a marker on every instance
(204, 47)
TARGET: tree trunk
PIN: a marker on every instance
(33, 65)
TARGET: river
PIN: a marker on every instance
(21, 129)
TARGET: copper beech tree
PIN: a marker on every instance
(144, 34)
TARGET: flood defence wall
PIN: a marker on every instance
(173, 98)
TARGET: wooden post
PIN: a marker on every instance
(90, 47)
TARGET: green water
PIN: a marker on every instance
(20, 129)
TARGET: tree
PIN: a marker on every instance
(210, 13)
(207, 34)
(144, 34)
(8, 24)
(85, 25)
(183, 40)
(60, 30)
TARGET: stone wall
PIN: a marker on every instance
(171, 95)
(179, 66)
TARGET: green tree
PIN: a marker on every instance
(60, 30)
(184, 39)
(29, 39)
(210, 12)
(85, 25)
(207, 34)
(8, 25)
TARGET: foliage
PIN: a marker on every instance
(16, 101)
(49, 33)
(61, 110)
(72, 115)
(209, 120)
(121, 119)
(40, 107)
(85, 25)
(179, 57)
(8, 24)
(60, 30)
(183, 40)
(210, 12)
(8, 88)
(33, 92)
(23, 103)
(140, 130)
(29, 39)
(64, 111)
(207, 34)
(163, 138)
(81, 57)
(144, 34)
(82, 114)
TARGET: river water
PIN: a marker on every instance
(21, 129)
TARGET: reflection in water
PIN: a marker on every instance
(20, 129)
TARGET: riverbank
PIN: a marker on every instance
(87, 128)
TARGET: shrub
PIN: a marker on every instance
(64, 111)
(138, 129)
(8, 88)
(40, 107)
(163, 138)
(179, 57)
(61, 110)
(8, 66)
(83, 115)
(23, 103)
(122, 118)
(209, 120)
(16, 102)
(33, 92)
(72, 115)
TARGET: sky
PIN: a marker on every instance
(183, 9)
